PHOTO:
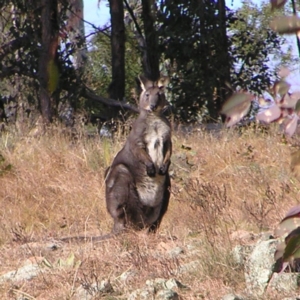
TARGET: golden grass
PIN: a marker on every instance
(53, 186)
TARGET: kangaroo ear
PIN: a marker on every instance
(145, 82)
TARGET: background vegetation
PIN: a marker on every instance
(204, 49)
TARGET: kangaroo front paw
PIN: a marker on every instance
(163, 169)
(150, 170)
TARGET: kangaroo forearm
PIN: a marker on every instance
(168, 152)
(142, 155)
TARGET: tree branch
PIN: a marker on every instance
(138, 28)
(99, 30)
(88, 93)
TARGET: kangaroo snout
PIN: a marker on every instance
(153, 107)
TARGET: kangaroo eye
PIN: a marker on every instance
(147, 95)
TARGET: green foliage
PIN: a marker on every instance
(190, 44)
(190, 37)
(256, 49)
(191, 34)
(19, 64)
(98, 69)
(19, 51)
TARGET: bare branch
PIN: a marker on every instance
(97, 29)
(109, 102)
(138, 28)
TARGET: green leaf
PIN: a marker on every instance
(286, 24)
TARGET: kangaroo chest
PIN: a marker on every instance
(151, 189)
(155, 136)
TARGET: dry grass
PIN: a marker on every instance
(52, 187)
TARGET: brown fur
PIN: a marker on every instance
(137, 182)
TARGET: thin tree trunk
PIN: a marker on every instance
(205, 54)
(224, 75)
(116, 89)
(48, 69)
(77, 33)
(150, 53)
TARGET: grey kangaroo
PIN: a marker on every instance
(138, 182)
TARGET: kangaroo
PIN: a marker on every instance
(138, 182)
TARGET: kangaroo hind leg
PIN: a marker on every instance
(120, 193)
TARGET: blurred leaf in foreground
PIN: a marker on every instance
(290, 100)
(281, 87)
(277, 3)
(295, 165)
(236, 107)
(292, 218)
(292, 249)
(286, 24)
(288, 250)
(269, 115)
(291, 125)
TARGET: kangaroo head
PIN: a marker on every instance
(152, 98)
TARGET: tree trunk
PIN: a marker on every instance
(150, 53)
(205, 63)
(116, 88)
(48, 67)
(215, 54)
(224, 76)
(76, 33)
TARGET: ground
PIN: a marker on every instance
(225, 184)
